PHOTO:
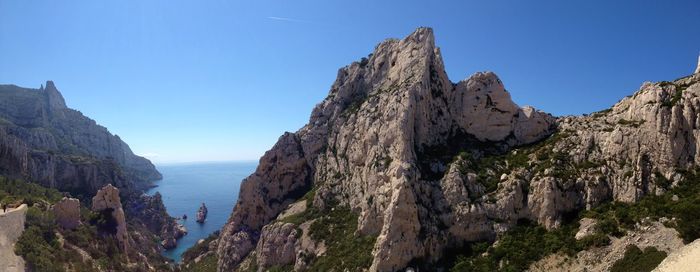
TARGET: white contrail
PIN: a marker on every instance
(286, 19)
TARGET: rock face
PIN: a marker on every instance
(43, 140)
(371, 138)
(107, 200)
(151, 211)
(202, 213)
(697, 69)
(427, 164)
(277, 245)
(683, 260)
(12, 226)
(67, 213)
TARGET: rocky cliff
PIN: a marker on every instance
(420, 164)
(43, 140)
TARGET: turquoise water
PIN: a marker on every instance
(185, 186)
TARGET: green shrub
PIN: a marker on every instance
(199, 248)
(207, 264)
(639, 261)
(686, 209)
(346, 250)
(37, 251)
(15, 191)
(39, 245)
(524, 244)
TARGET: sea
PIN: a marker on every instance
(185, 187)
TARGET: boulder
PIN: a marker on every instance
(587, 226)
(67, 213)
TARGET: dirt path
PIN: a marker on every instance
(11, 227)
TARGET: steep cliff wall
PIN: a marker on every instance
(379, 144)
(44, 141)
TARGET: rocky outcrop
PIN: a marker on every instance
(587, 227)
(150, 211)
(202, 213)
(169, 243)
(43, 140)
(67, 213)
(427, 164)
(11, 228)
(374, 137)
(108, 202)
(683, 260)
(277, 245)
(697, 69)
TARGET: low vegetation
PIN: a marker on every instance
(677, 94)
(43, 245)
(639, 260)
(14, 192)
(199, 248)
(346, 250)
(336, 227)
(526, 243)
(683, 212)
(489, 168)
(207, 264)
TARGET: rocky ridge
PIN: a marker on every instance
(426, 164)
(43, 140)
(379, 144)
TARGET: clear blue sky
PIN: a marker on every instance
(221, 80)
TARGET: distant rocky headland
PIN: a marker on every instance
(44, 142)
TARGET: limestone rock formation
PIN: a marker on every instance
(107, 201)
(374, 137)
(45, 141)
(683, 260)
(427, 165)
(586, 228)
(277, 245)
(697, 69)
(202, 213)
(11, 228)
(67, 213)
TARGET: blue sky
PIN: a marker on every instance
(221, 80)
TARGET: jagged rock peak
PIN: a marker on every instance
(370, 146)
(54, 97)
(697, 69)
(107, 200)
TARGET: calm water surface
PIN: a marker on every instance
(185, 186)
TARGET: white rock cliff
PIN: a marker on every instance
(403, 148)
